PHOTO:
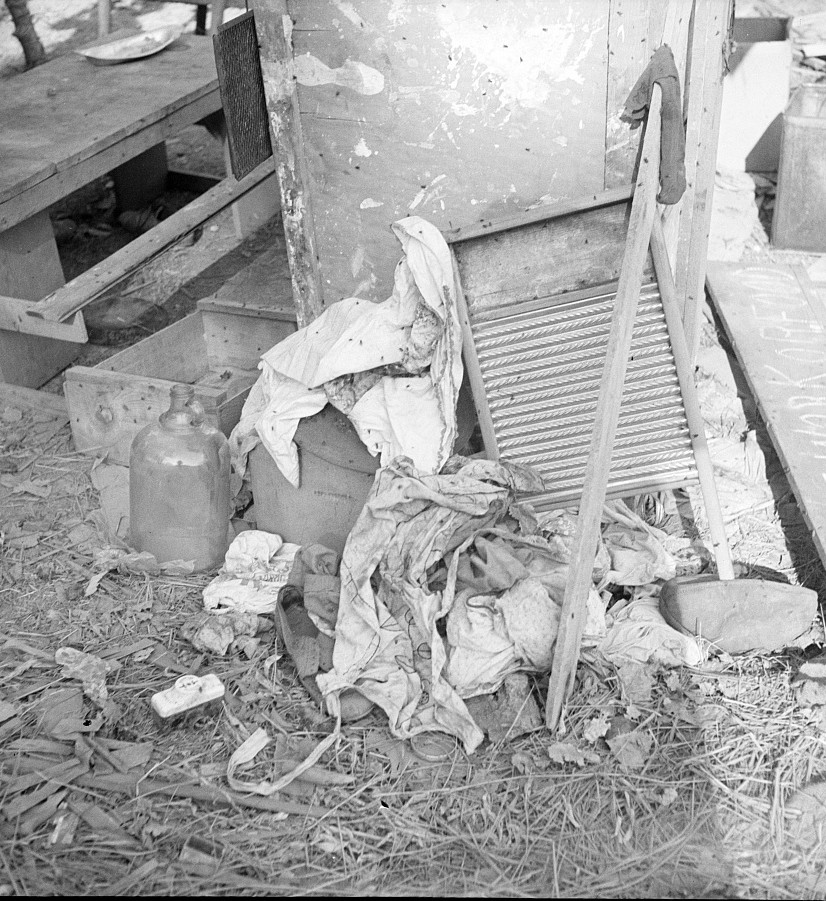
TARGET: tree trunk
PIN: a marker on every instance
(24, 32)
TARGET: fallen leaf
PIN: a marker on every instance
(633, 712)
(523, 763)
(61, 712)
(564, 752)
(27, 541)
(94, 583)
(637, 681)
(596, 728)
(631, 748)
(33, 486)
(91, 671)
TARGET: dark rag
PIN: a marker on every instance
(662, 71)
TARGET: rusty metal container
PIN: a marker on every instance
(799, 221)
(179, 491)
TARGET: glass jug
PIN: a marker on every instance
(179, 486)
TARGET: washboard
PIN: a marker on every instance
(536, 295)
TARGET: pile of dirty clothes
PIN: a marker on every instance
(450, 582)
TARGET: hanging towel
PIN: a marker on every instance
(662, 70)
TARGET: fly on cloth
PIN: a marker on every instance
(395, 368)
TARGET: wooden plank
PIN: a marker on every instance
(32, 360)
(30, 399)
(692, 244)
(583, 549)
(460, 112)
(473, 367)
(265, 283)
(250, 313)
(30, 264)
(29, 169)
(539, 214)
(49, 190)
(236, 384)
(779, 337)
(691, 402)
(42, 112)
(274, 27)
(678, 32)
(14, 317)
(176, 353)
(88, 286)
(629, 51)
(587, 248)
(237, 338)
(107, 409)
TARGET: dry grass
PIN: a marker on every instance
(696, 808)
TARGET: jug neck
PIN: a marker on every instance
(184, 411)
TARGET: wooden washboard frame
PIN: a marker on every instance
(535, 297)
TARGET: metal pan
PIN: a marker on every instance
(134, 47)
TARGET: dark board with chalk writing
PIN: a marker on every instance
(776, 320)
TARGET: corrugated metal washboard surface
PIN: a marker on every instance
(541, 364)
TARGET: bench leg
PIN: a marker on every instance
(141, 180)
(256, 207)
(30, 269)
(200, 19)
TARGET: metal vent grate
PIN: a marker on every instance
(242, 93)
(541, 365)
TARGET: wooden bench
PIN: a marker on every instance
(67, 123)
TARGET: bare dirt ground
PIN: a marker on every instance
(669, 782)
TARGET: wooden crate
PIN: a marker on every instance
(216, 349)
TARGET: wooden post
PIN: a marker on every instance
(704, 79)
(691, 403)
(584, 548)
(629, 50)
(274, 27)
(104, 18)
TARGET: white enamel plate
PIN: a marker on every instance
(137, 46)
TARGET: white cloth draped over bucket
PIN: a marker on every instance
(415, 332)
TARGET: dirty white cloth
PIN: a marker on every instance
(492, 636)
(638, 555)
(638, 633)
(256, 565)
(389, 642)
(416, 332)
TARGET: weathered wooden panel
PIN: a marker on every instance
(217, 349)
(107, 409)
(176, 353)
(455, 111)
(542, 259)
(630, 46)
(777, 325)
